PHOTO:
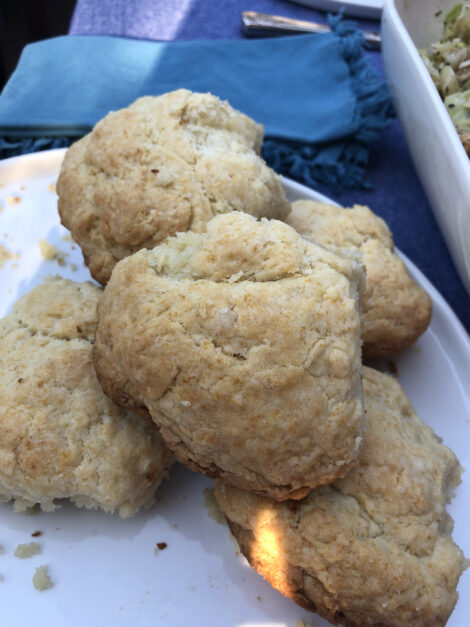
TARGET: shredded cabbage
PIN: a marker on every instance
(448, 63)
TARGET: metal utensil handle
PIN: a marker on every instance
(255, 24)
(262, 22)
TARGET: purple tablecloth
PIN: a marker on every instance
(396, 196)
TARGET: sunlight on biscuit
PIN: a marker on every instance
(267, 552)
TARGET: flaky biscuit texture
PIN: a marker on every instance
(60, 436)
(395, 310)
(243, 343)
(163, 165)
(375, 547)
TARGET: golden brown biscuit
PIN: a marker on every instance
(243, 343)
(60, 436)
(375, 547)
(395, 310)
(163, 165)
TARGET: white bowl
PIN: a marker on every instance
(438, 155)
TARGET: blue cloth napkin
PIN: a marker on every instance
(320, 101)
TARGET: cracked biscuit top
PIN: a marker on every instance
(243, 344)
(60, 436)
(395, 310)
(163, 165)
(375, 547)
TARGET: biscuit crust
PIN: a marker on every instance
(243, 344)
(375, 547)
(60, 436)
(163, 165)
(395, 310)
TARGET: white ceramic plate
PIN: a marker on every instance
(439, 158)
(371, 9)
(104, 569)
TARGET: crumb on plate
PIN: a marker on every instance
(48, 251)
(51, 252)
(27, 550)
(41, 579)
(5, 255)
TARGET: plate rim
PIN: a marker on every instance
(48, 163)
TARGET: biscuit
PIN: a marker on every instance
(243, 343)
(375, 547)
(60, 436)
(395, 310)
(163, 165)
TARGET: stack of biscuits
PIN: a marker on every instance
(232, 335)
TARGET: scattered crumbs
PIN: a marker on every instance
(66, 237)
(2, 185)
(73, 267)
(22, 188)
(27, 550)
(300, 623)
(175, 525)
(51, 187)
(36, 534)
(393, 368)
(16, 256)
(5, 255)
(57, 528)
(15, 265)
(10, 291)
(2, 578)
(212, 507)
(192, 588)
(1, 549)
(73, 247)
(41, 579)
(258, 598)
(13, 200)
